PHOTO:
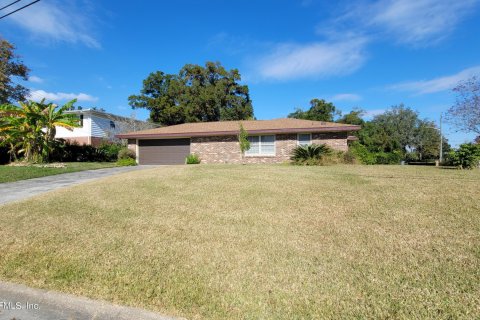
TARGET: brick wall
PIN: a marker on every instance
(225, 149)
(132, 145)
(336, 140)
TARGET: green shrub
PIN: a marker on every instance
(313, 154)
(126, 153)
(467, 156)
(412, 157)
(388, 157)
(66, 151)
(192, 159)
(362, 154)
(126, 162)
(109, 151)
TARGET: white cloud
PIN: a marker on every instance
(346, 97)
(346, 37)
(38, 95)
(57, 21)
(418, 22)
(372, 113)
(437, 84)
(35, 79)
(320, 59)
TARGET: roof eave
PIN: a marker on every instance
(226, 133)
(101, 114)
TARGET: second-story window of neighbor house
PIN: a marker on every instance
(112, 124)
(81, 121)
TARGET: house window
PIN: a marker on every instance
(261, 146)
(112, 124)
(304, 139)
(81, 120)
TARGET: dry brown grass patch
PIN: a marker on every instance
(258, 241)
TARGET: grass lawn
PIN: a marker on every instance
(258, 242)
(13, 173)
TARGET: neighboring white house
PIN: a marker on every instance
(97, 126)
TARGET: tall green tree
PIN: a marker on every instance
(427, 140)
(400, 129)
(320, 110)
(161, 96)
(400, 123)
(377, 138)
(11, 67)
(196, 94)
(353, 117)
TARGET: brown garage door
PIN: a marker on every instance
(163, 151)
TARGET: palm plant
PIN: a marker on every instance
(8, 136)
(310, 154)
(30, 127)
(53, 118)
(18, 129)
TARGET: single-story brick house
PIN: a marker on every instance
(272, 141)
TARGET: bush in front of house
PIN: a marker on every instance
(362, 153)
(110, 151)
(364, 156)
(192, 159)
(126, 162)
(126, 157)
(312, 155)
(467, 156)
(66, 151)
(126, 153)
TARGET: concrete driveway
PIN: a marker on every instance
(19, 190)
(23, 303)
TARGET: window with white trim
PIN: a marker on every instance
(304, 139)
(261, 146)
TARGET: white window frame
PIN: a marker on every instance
(260, 154)
(298, 138)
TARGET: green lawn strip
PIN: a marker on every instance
(15, 173)
(258, 241)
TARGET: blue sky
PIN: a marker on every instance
(367, 54)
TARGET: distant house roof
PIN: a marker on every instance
(221, 128)
(102, 114)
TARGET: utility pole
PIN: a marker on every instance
(441, 140)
